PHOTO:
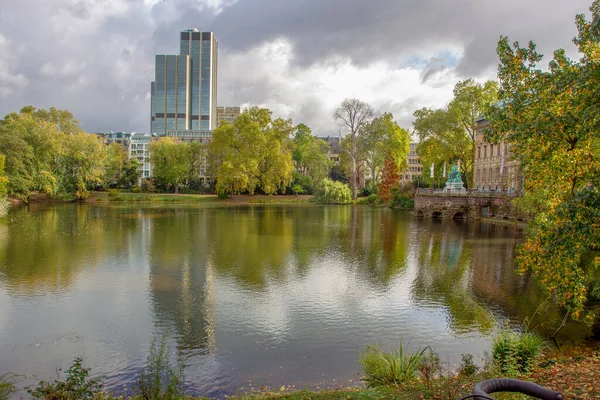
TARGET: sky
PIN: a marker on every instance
(299, 58)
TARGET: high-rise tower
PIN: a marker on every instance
(184, 92)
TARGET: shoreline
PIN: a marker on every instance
(572, 370)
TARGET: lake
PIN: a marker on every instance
(251, 295)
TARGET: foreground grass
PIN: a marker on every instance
(575, 372)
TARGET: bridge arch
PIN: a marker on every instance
(437, 215)
(420, 214)
(459, 215)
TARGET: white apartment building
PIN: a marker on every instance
(138, 148)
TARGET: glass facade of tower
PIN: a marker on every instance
(184, 93)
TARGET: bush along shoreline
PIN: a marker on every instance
(394, 373)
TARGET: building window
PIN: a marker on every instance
(484, 151)
(491, 176)
(479, 152)
(491, 150)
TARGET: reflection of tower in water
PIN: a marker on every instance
(179, 279)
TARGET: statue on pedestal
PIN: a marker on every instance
(454, 182)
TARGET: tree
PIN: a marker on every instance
(310, 155)
(252, 153)
(353, 114)
(115, 158)
(3, 188)
(382, 138)
(390, 178)
(197, 159)
(80, 165)
(448, 134)
(130, 173)
(550, 118)
(170, 161)
(330, 192)
(32, 147)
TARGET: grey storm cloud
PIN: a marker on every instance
(95, 57)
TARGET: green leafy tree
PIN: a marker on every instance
(81, 165)
(197, 160)
(380, 138)
(448, 134)
(252, 153)
(115, 158)
(550, 118)
(330, 192)
(170, 161)
(310, 155)
(131, 173)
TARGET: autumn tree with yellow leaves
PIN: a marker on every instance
(551, 119)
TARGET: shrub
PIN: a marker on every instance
(394, 367)
(7, 385)
(374, 200)
(514, 353)
(297, 189)
(330, 192)
(78, 385)
(148, 186)
(136, 189)
(401, 199)
(113, 192)
(467, 366)
(159, 380)
(430, 367)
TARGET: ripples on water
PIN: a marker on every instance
(251, 295)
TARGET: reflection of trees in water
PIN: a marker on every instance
(262, 245)
(444, 275)
(44, 248)
(371, 242)
(251, 244)
(496, 280)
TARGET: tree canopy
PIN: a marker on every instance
(252, 153)
(448, 134)
(47, 151)
(550, 118)
(380, 138)
(310, 155)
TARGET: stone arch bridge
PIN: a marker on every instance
(465, 205)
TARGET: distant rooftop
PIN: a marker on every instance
(190, 30)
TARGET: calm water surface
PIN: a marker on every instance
(249, 296)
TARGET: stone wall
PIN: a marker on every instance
(463, 206)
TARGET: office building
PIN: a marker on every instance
(414, 168)
(184, 91)
(228, 114)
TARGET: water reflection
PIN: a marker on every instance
(270, 294)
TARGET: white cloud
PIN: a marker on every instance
(300, 61)
(12, 83)
(271, 80)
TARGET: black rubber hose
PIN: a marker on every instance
(514, 385)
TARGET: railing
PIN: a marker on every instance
(470, 192)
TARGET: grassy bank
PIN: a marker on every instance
(574, 371)
(200, 199)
